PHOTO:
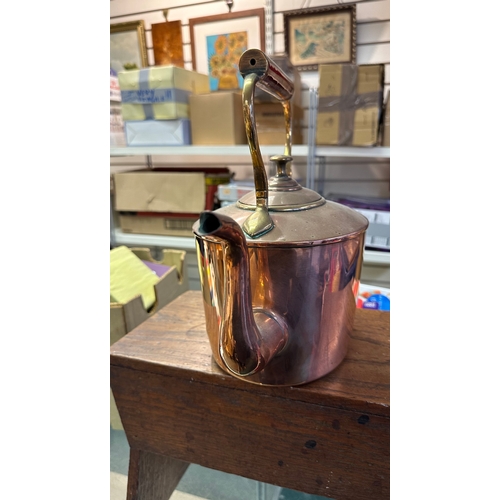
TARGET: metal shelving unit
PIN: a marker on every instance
(184, 243)
(186, 151)
(298, 150)
(316, 157)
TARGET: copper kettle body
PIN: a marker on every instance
(279, 269)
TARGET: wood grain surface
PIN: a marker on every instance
(174, 342)
(329, 437)
(152, 476)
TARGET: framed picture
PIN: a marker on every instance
(217, 43)
(128, 46)
(167, 44)
(324, 35)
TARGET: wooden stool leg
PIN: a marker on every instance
(152, 476)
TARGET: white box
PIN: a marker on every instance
(158, 132)
(234, 191)
(378, 234)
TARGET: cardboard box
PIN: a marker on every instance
(217, 119)
(129, 276)
(174, 224)
(176, 192)
(125, 317)
(283, 62)
(158, 132)
(163, 224)
(170, 223)
(386, 127)
(159, 92)
(350, 104)
(270, 121)
(272, 137)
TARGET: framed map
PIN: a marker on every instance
(320, 36)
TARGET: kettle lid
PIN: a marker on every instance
(301, 217)
(284, 193)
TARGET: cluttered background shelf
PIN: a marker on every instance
(298, 150)
(349, 162)
(376, 264)
(186, 151)
(376, 268)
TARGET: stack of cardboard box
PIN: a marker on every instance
(127, 314)
(155, 104)
(166, 201)
(386, 126)
(350, 104)
(270, 120)
(217, 116)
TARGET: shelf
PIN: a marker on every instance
(243, 150)
(376, 258)
(177, 242)
(184, 243)
(353, 152)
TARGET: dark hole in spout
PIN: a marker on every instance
(252, 61)
(209, 223)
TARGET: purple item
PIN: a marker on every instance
(158, 269)
(366, 202)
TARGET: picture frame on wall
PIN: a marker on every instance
(128, 46)
(217, 43)
(323, 35)
(167, 44)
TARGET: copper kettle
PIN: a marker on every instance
(280, 268)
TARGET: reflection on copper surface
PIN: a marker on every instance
(278, 316)
(246, 338)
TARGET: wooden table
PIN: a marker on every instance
(329, 437)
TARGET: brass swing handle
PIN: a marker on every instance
(259, 70)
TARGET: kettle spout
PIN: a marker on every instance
(249, 337)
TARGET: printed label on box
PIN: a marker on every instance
(148, 96)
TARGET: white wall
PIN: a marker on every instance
(373, 47)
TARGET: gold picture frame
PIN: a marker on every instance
(323, 35)
(128, 46)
